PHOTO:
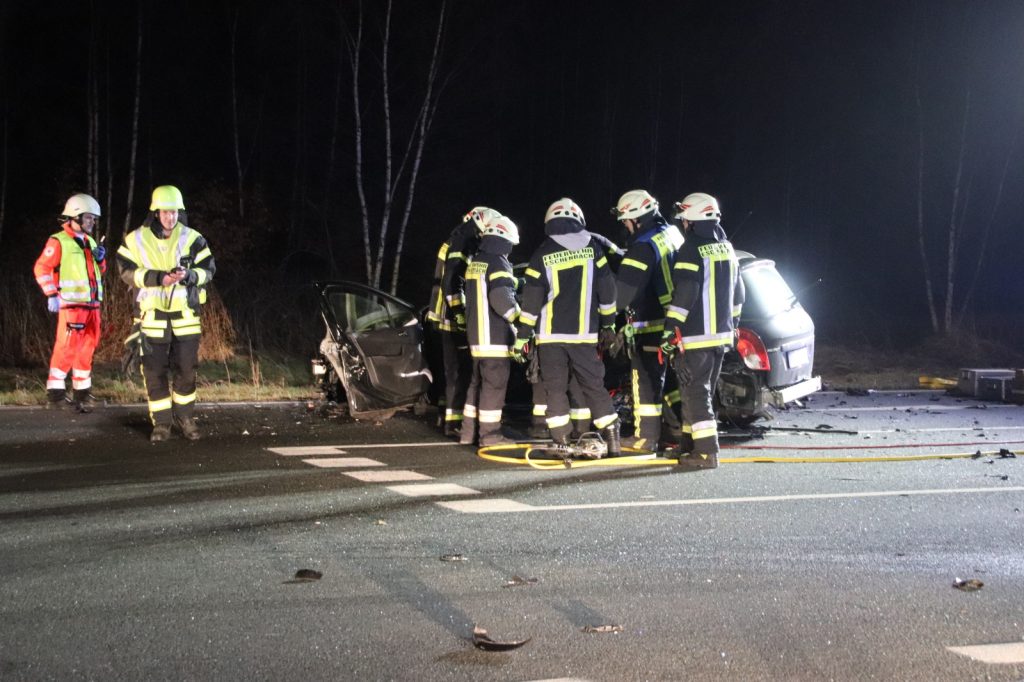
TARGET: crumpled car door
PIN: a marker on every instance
(374, 342)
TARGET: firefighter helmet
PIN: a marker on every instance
(698, 206)
(503, 227)
(167, 198)
(634, 204)
(78, 204)
(481, 215)
(565, 208)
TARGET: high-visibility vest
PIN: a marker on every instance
(153, 253)
(77, 285)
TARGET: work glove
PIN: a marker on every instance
(460, 322)
(608, 342)
(670, 344)
(99, 253)
(53, 304)
(191, 278)
(520, 350)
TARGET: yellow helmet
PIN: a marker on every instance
(79, 204)
(167, 198)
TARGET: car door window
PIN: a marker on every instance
(364, 312)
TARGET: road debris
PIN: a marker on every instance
(1006, 454)
(516, 581)
(601, 628)
(968, 585)
(481, 640)
(453, 557)
(305, 575)
(380, 522)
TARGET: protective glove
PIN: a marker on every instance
(191, 278)
(608, 342)
(99, 253)
(670, 340)
(460, 321)
(53, 304)
(520, 350)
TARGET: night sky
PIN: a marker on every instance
(808, 120)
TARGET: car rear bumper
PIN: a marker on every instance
(780, 397)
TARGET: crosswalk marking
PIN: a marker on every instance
(432, 490)
(339, 462)
(388, 476)
(1011, 653)
(306, 450)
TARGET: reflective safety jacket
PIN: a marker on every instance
(66, 268)
(491, 307)
(569, 291)
(145, 257)
(447, 296)
(707, 292)
(644, 280)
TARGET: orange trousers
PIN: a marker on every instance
(78, 334)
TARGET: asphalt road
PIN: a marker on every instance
(122, 560)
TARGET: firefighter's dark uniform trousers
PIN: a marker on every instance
(580, 361)
(458, 372)
(486, 398)
(578, 412)
(699, 369)
(178, 356)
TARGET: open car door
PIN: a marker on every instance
(373, 345)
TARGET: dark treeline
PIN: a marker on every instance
(874, 145)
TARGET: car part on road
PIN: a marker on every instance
(481, 640)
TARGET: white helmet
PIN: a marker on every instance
(698, 206)
(633, 204)
(503, 227)
(79, 204)
(481, 215)
(565, 208)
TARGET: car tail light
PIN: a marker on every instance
(752, 350)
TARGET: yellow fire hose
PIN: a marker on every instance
(502, 453)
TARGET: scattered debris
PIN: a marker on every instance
(859, 391)
(1006, 454)
(968, 585)
(516, 581)
(481, 640)
(453, 557)
(976, 455)
(246, 432)
(380, 522)
(602, 628)
(1001, 477)
(305, 575)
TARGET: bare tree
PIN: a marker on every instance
(376, 244)
(135, 124)
(239, 171)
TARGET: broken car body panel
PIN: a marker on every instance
(372, 350)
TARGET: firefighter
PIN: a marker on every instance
(491, 311)
(644, 286)
(70, 273)
(169, 265)
(448, 313)
(700, 322)
(568, 303)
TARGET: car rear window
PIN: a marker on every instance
(767, 293)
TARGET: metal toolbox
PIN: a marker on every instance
(994, 388)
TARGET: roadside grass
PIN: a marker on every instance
(238, 379)
(265, 377)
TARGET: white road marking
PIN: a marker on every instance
(490, 506)
(429, 444)
(388, 476)
(306, 450)
(903, 408)
(339, 462)
(432, 490)
(946, 429)
(1011, 653)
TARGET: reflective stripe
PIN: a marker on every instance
(455, 255)
(530, 272)
(183, 399)
(203, 255)
(490, 416)
(555, 422)
(499, 274)
(672, 397)
(601, 262)
(687, 266)
(511, 314)
(708, 340)
(469, 411)
(604, 421)
(490, 351)
(705, 429)
(527, 319)
(567, 338)
(634, 264)
(647, 410)
(159, 405)
(539, 410)
(81, 384)
(607, 309)
(681, 316)
(580, 413)
(451, 415)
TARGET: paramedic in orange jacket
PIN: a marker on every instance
(70, 273)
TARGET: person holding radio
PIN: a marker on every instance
(168, 266)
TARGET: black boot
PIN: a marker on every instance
(610, 434)
(697, 460)
(84, 401)
(57, 399)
